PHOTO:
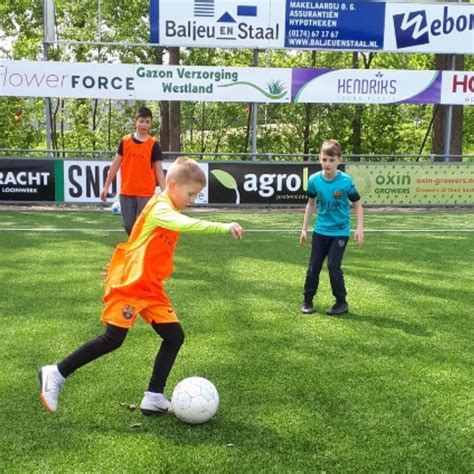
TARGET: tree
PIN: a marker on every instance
(174, 110)
(444, 63)
(282, 128)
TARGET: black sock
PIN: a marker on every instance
(112, 339)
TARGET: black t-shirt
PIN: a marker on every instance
(156, 154)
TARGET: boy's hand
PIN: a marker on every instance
(236, 230)
(103, 195)
(359, 236)
(303, 238)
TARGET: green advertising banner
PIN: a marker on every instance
(414, 184)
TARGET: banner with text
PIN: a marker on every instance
(366, 86)
(132, 82)
(84, 180)
(457, 87)
(429, 28)
(414, 184)
(234, 183)
(193, 83)
(27, 180)
(340, 25)
(259, 183)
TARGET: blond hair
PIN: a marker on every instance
(332, 148)
(186, 170)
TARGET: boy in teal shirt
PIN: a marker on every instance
(331, 191)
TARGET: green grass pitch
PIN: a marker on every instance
(388, 389)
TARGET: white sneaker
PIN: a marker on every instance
(154, 403)
(51, 382)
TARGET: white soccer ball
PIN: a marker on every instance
(195, 400)
(116, 208)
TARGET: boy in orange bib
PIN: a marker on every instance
(134, 286)
(139, 160)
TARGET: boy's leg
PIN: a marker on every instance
(319, 251)
(173, 338)
(336, 276)
(112, 339)
(128, 206)
(52, 377)
(141, 203)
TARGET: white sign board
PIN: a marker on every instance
(458, 87)
(371, 86)
(145, 82)
(84, 180)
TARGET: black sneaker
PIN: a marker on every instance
(338, 309)
(307, 308)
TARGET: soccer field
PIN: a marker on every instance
(388, 389)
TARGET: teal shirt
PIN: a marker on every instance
(333, 199)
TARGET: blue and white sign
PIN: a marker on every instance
(334, 25)
(338, 25)
(218, 23)
(429, 28)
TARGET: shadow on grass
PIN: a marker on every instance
(411, 328)
(408, 291)
(227, 432)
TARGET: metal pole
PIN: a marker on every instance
(99, 21)
(48, 13)
(254, 114)
(449, 117)
(121, 44)
(448, 124)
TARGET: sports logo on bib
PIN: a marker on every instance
(128, 311)
(337, 194)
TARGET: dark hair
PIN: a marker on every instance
(332, 148)
(143, 112)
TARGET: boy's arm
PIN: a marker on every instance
(166, 217)
(307, 218)
(114, 167)
(160, 175)
(359, 232)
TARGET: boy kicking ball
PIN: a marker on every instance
(331, 191)
(134, 286)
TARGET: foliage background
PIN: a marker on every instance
(205, 127)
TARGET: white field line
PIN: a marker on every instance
(52, 229)
(371, 230)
